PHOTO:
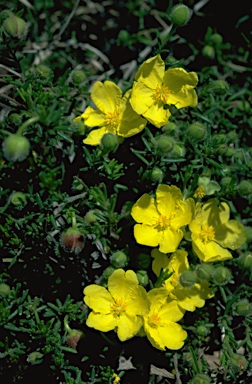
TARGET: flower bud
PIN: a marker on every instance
(204, 271)
(16, 147)
(109, 142)
(187, 279)
(74, 337)
(222, 275)
(200, 378)
(90, 217)
(119, 259)
(202, 331)
(222, 149)
(216, 38)
(35, 358)
(220, 87)
(164, 144)
(107, 272)
(208, 51)
(230, 151)
(245, 260)
(180, 15)
(245, 188)
(14, 118)
(243, 105)
(225, 181)
(243, 307)
(43, 71)
(178, 150)
(123, 36)
(248, 233)
(156, 174)
(18, 199)
(142, 277)
(72, 241)
(170, 129)
(4, 289)
(238, 362)
(143, 260)
(196, 131)
(218, 139)
(14, 26)
(78, 76)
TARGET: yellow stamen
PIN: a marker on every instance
(162, 222)
(161, 93)
(154, 320)
(118, 308)
(112, 118)
(200, 192)
(207, 233)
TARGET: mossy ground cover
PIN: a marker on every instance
(167, 207)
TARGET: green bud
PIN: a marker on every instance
(220, 87)
(123, 36)
(178, 150)
(78, 76)
(4, 289)
(16, 147)
(108, 272)
(72, 241)
(35, 358)
(14, 26)
(230, 151)
(196, 131)
(180, 15)
(216, 38)
(225, 170)
(119, 259)
(222, 149)
(73, 337)
(170, 128)
(109, 142)
(243, 307)
(245, 260)
(78, 126)
(204, 271)
(171, 60)
(222, 276)
(218, 139)
(156, 174)
(238, 155)
(243, 105)
(90, 217)
(143, 260)
(245, 188)
(126, 209)
(202, 331)
(142, 277)
(43, 71)
(225, 181)
(164, 144)
(200, 378)
(238, 362)
(248, 233)
(208, 51)
(18, 199)
(187, 279)
(14, 118)
(232, 136)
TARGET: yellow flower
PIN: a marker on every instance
(161, 219)
(160, 322)
(187, 298)
(116, 378)
(154, 88)
(114, 113)
(119, 307)
(213, 232)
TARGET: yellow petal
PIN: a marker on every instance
(230, 235)
(141, 98)
(178, 261)
(107, 96)
(146, 235)
(170, 311)
(184, 213)
(101, 322)
(210, 252)
(165, 200)
(191, 298)
(170, 239)
(94, 137)
(151, 72)
(93, 118)
(170, 335)
(161, 261)
(157, 115)
(121, 284)
(98, 298)
(145, 211)
(128, 326)
(180, 84)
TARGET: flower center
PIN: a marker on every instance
(154, 320)
(207, 233)
(112, 118)
(162, 223)
(200, 192)
(161, 93)
(118, 308)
